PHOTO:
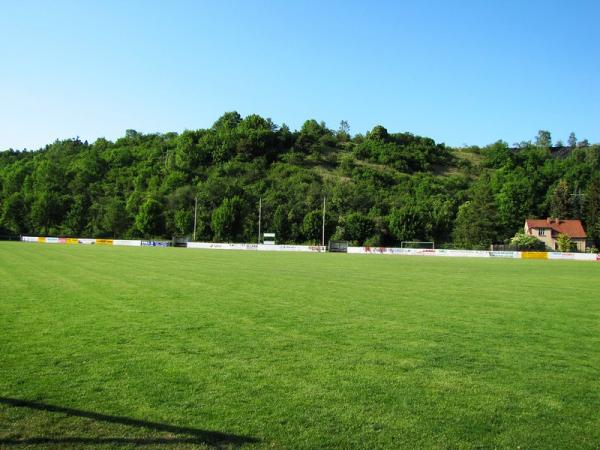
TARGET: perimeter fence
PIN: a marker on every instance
(321, 249)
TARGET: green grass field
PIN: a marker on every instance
(111, 347)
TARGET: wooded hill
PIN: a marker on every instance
(381, 188)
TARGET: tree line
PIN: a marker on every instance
(381, 188)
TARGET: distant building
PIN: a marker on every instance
(547, 231)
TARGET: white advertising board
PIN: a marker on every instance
(378, 250)
(500, 254)
(561, 255)
(259, 247)
(221, 246)
(424, 252)
(127, 242)
(463, 253)
(155, 243)
(574, 256)
(291, 248)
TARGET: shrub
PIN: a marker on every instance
(526, 242)
(564, 243)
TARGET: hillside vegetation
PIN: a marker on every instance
(381, 188)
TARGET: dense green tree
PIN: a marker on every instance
(46, 212)
(312, 226)
(560, 202)
(592, 210)
(184, 222)
(515, 198)
(149, 221)
(14, 213)
(76, 220)
(314, 138)
(226, 220)
(116, 221)
(498, 155)
(409, 223)
(355, 227)
(228, 121)
(281, 225)
(476, 221)
(543, 139)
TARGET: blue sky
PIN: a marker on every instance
(464, 72)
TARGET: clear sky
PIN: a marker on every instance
(462, 72)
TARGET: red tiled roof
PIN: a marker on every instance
(572, 228)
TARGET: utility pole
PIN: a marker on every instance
(323, 229)
(195, 217)
(259, 217)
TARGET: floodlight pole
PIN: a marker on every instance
(323, 227)
(195, 217)
(259, 218)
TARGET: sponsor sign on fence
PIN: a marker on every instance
(463, 253)
(85, 241)
(505, 254)
(126, 242)
(587, 257)
(221, 246)
(259, 247)
(534, 255)
(558, 255)
(573, 256)
(291, 248)
(156, 244)
(423, 252)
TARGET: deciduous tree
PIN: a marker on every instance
(476, 223)
(226, 221)
(150, 221)
(560, 202)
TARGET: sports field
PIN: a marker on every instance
(114, 346)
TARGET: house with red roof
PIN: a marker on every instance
(547, 231)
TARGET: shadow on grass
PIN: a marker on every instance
(194, 436)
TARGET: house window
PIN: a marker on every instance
(542, 232)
